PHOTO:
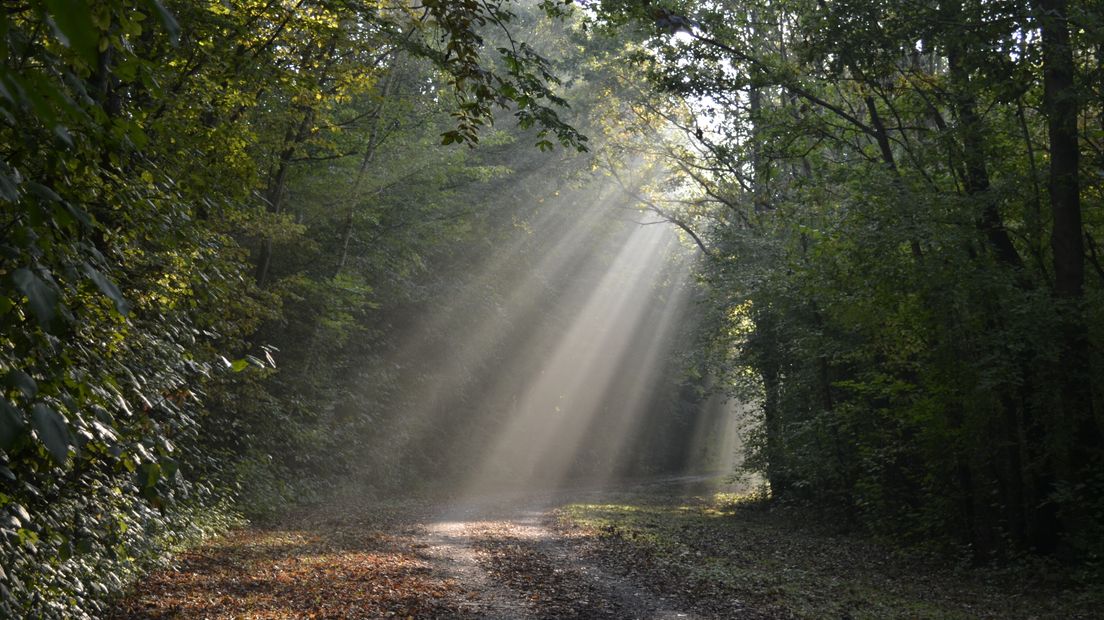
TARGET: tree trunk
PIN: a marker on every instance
(777, 473)
(1061, 106)
(371, 144)
(881, 136)
(976, 178)
(1075, 437)
(274, 193)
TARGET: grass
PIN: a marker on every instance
(722, 551)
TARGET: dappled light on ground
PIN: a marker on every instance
(499, 559)
(298, 574)
(734, 554)
(667, 549)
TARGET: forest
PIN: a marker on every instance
(259, 254)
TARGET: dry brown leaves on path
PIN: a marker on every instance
(361, 564)
(406, 561)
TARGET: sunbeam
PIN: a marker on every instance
(567, 370)
(571, 386)
(563, 247)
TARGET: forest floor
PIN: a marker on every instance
(675, 549)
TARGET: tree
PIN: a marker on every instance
(148, 154)
(875, 189)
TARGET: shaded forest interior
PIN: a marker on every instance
(254, 253)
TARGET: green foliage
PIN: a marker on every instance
(883, 255)
(152, 158)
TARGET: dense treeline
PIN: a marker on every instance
(900, 203)
(239, 267)
(196, 193)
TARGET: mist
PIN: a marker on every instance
(560, 357)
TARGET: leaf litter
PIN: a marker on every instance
(615, 555)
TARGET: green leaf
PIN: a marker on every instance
(42, 191)
(239, 365)
(9, 183)
(20, 513)
(52, 431)
(169, 467)
(11, 425)
(148, 475)
(82, 216)
(166, 18)
(40, 295)
(108, 288)
(21, 381)
(72, 20)
(63, 135)
(65, 550)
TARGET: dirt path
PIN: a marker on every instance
(451, 551)
(558, 580)
(497, 558)
(531, 570)
(666, 550)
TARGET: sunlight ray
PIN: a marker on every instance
(551, 417)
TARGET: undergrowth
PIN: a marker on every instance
(731, 550)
